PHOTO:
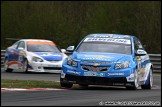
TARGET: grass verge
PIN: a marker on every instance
(5, 83)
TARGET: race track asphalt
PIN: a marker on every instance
(77, 96)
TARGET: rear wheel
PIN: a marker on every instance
(6, 66)
(135, 83)
(149, 81)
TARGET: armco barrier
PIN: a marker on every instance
(155, 59)
(2, 56)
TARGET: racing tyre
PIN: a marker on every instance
(6, 66)
(66, 85)
(25, 66)
(135, 83)
(149, 81)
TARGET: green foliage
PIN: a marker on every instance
(5, 83)
(67, 22)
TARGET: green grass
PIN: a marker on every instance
(5, 83)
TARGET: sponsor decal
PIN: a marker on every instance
(124, 41)
(111, 74)
(142, 71)
(12, 63)
(100, 57)
(50, 54)
(52, 65)
(89, 73)
(128, 84)
(74, 72)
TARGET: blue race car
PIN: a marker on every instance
(108, 59)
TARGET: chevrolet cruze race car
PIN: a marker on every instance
(108, 59)
(34, 55)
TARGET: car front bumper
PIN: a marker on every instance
(89, 80)
(45, 67)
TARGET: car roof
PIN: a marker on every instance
(110, 35)
(35, 40)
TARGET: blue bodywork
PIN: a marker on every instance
(110, 61)
(94, 66)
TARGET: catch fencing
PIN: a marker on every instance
(155, 59)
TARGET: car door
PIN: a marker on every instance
(19, 50)
(11, 52)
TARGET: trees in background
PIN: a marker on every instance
(67, 22)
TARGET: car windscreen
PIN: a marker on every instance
(108, 47)
(42, 48)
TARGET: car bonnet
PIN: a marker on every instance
(112, 57)
(50, 55)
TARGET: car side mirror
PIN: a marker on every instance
(70, 48)
(140, 52)
(63, 50)
(20, 48)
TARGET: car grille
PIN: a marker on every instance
(95, 68)
(53, 61)
(52, 68)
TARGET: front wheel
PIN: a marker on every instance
(66, 85)
(6, 66)
(135, 83)
(25, 66)
(149, 81)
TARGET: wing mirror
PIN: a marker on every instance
(63, 50)
(70, 48)
(140, 52)
(20, 48)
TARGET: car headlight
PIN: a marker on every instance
(36, 59)
(122, 65)
(72, 62)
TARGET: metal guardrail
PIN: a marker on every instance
(155, 59)
(2, 56)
